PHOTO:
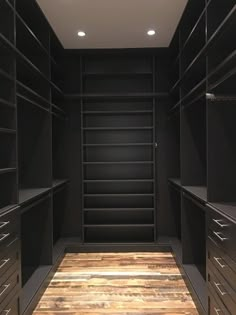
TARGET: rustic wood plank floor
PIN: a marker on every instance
(117, 284)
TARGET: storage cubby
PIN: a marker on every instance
(193, 81)
(7, 149)
(221, 150)
(7, 117)
(7, 20)
(57, 99)
(34, 143)
(117, 64)
(194, 44)
(193, 144)
(35, 20)
(118, 200)
(217, 13)
(221, 53)
(118, 186)
(8, 187)
(119, 234)
(59, 211)
(193, 235)
(126, 83)
(117, 216)
(118, 153)
(129, 119)
(130, 170)
(7, 62)
(36, 237)
(173, 143)
(194, 13)
(30, 47)
(58, 146)
(31, 82)
(7, 94)
(175, 208)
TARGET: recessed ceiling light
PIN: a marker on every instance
(81, 34)
(151, 32)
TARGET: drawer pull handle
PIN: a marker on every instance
(5, 287)
(2, 224)
(218, 285)
(222, 239)
(217, 310)
(7, 312)
(217, 259)
(4, 262)
(218, 222)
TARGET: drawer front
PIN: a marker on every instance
(9, 230)
(8, 220)
(225, 265)
(13, 308)
(9, 285)
(223, 232)
(11, 258)
(215, 308)
(222, 289)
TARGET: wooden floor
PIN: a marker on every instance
(117, 283)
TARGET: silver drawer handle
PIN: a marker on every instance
(217, 259)
(217, 310)
(5, 287)
(222, 239)
(218, 285)
(2, 224)
(218, 222)
(5, 261)
(4, 236)
(7, 311)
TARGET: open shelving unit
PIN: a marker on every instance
(206, 55)
(118, 147)
(8, 158)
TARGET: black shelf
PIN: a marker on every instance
(228, 209)
(29, 194)
(116, 96)
(199, 192)
(131, 112)
(118, 209)
(116, 74)
(117, 144)
(124, 162)
(117, 225)
(7, 170)
(56, 183)
(117, 180)
(116, 128)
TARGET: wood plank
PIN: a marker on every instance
(117, 284)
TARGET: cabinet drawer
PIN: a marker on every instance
(223, 232)
(12, 308)
(11, 257)
(222, 262)
(9, 220)
(9, 285)
(216, 308)
(223, 290)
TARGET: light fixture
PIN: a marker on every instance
(81, 34)
(151, 32)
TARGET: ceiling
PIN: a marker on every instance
(113, 23)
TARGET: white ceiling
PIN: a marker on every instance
(113, 23)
